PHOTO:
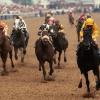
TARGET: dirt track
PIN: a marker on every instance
(26, 83)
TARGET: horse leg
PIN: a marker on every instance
(39, 67)
(10, 55)
(65, 59)
(54, 58)
(4, 59)
(43, 68)
(97, 78)
(78, 37)
(59, 58)
(51, 68)
(22, 54)
(12, 64)
(16, 51)
(87, 83)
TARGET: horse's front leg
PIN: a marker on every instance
(51, 68)
(10, 55)
(43, 68)
(59, 58)
(16, 51)
(87, 83)
(4, 59)
(97, 77)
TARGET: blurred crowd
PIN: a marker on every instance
(16, 8)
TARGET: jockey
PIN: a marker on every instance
(60, 27)
(43, 27)
(51, 20)
(82, 18)
(90, 22)
(4, 27)
(20, 24)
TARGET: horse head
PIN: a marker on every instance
(87, 38)
(45, 40)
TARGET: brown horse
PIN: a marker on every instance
(71, 19)
(19, 43)
(44, 52)
(5, 49)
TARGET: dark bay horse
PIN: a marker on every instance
(88, 59)
(71, 19)
(19, 42)
(78, 27)
(44, 52)
(60, 43)
(5, 49)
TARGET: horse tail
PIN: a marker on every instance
(80, 83)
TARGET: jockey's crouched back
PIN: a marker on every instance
(20, 24)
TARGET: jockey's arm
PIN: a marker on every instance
(95, 32)
(81, 32)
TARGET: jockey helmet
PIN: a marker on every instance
(88, 15)
(89, 21)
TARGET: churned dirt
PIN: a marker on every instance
(26, 83)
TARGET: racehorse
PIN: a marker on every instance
(44, 52)
(71, 19)
(60, 43)
(19, 42)
(78, 28)
(5, 49)
(88, 59)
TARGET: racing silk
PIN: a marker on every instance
(51, 20)
(94, 29)
(5, 27)
(19, 24)
(22, 24)
(59, 28)
(44, 27)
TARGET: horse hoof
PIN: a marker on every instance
(65, 60)
(14, 70)
(44, 81)
(39, 69)
(22, 60)
(50, 78)
(88, 95)
(16, 58)
(24, 52)
(4, 73)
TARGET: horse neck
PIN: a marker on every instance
(3, 42)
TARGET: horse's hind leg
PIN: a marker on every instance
(4, 59)
(16, 51)
(87, 83)
(23, 52)
(65, 59)
(10, 55)
(97, 77)
(12, 64)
